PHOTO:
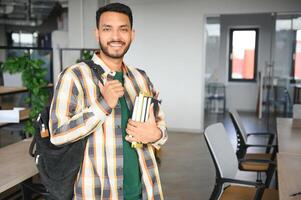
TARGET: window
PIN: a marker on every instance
(297, 56)
(243, 54)
(24, 39)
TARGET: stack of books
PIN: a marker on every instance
(141, 112)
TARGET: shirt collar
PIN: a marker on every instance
(97, 60)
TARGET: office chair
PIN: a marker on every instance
(226, 165)
(278, 96)
(242, 147)
(242, 135)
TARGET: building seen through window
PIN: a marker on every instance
(243, 45)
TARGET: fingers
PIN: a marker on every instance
(134, 123)
(130, 138)
(113, 86)
(132, 130)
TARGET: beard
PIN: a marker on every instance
(114, 55)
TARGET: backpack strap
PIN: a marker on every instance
(97, 69)
(32, 145)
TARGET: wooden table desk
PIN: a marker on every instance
(289, 139)
(23, 116)
(16, 164)
(11, 90)
(4, 90)
(289, 176)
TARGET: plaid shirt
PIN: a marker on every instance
(78, 110)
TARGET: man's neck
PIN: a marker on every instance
(115, 64)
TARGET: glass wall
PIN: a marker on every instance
(287, 56)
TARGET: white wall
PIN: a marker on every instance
(81, 25)
(243, 96)
(170, 46)
(59, 39)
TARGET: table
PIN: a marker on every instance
(289, 176)
(288, 159)
(16, 164)
(23, 116)
(4, 90)
(289, 139)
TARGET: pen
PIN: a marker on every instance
(295, 194)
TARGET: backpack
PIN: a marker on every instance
(58, 166)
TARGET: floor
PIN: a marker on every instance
(186, 169)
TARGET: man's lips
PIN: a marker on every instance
(116, 44)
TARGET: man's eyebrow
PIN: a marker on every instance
(105, 25)
(125, 25)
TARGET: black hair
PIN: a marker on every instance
(114, 7)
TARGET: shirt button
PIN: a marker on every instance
(118, 126)
(119, 188)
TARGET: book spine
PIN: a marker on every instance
(134, 114)
(149, 101)
(144, 109)
(139, 107)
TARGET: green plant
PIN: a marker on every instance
(85, 55)
(33, 79)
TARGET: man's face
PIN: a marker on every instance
(114, 34)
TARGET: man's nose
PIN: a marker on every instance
(116, 35)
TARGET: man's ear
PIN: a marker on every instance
(133, 34)
(96, 34)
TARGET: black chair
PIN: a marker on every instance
(226, 165)
(278, 96)
(243, 146)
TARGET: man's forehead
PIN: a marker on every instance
(114, 18)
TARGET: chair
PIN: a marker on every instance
(278, 96)
(215, 95)
(226, 164)
(243, 155)
(242, 135)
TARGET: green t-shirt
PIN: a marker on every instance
(131, 170)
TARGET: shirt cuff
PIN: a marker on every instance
(163, 138)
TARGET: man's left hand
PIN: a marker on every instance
(145, 132)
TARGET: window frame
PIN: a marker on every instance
(230, 79)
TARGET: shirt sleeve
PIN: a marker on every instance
(72, 114)
(160, 119)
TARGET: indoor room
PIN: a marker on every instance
(198, 99)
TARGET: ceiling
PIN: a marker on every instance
(29, 12)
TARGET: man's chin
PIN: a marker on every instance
(115, 56)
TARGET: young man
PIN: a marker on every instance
(84, 107)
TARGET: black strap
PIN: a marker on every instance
(98, 70)
(32, 145)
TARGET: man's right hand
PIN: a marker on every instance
(111, 92)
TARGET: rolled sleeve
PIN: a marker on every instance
(163, 138)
